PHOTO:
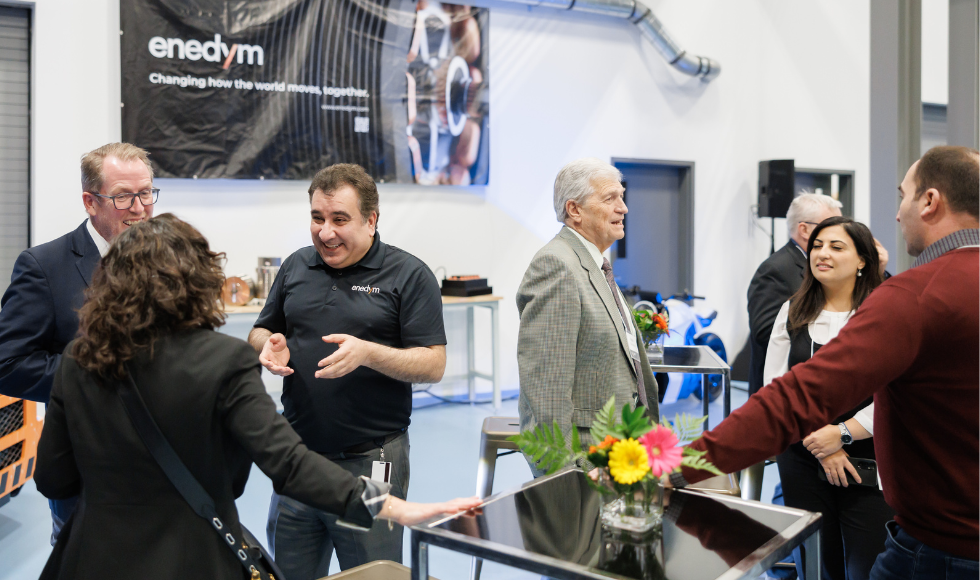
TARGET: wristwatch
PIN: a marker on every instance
(845, 434)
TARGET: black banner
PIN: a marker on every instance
(279, 89)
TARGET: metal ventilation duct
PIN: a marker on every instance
(650, 27)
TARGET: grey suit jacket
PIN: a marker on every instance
(572, 353)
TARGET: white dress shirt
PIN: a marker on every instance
(100, 242)
(822, 330)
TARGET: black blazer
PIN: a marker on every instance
(38, 312)
(204, 391)
(776, 279)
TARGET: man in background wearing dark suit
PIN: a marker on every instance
(38, 312)
(781, 275)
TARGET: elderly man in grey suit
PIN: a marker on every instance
(578, 344)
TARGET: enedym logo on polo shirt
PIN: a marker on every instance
(368, 289)
(210, 50)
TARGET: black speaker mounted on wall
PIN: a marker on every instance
(777, 184)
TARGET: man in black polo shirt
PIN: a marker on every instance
(350, 323)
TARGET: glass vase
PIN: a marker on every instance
(636, 512)
(655, 350)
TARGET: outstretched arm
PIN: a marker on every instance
(250, 416)
(839, 377)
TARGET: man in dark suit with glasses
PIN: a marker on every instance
(38, 312)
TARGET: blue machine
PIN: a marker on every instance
(687, 326)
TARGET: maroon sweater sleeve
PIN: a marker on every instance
(876, 346)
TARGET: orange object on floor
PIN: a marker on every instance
(20, 431)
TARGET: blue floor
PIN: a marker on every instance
(445, 441)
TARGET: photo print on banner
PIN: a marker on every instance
(279, 90)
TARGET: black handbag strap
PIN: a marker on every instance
(178, 474)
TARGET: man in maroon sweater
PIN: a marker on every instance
(915, 344)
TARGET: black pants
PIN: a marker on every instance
(853, 529)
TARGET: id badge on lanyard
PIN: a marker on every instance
(381, 470)
(631, 338)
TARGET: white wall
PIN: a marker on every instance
(794, 84)
(935, 51)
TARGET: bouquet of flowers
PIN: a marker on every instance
(652, 325)
(630, 451)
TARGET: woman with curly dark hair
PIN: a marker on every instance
(148, 326)
(844, 270)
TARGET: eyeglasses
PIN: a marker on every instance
(811, 223)
(126, 200)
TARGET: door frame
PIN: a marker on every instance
(685, 170)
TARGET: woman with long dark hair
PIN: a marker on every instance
(148, 325)
(843, 271)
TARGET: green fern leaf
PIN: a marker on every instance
(701, 464)
(604, 422)
(559, 436)
(695, 459)
(688, 427)
(546, 446)
(576, 443)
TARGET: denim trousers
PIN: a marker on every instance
(906, 558)
(61, 510)
(302, 538)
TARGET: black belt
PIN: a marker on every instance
(369, 445)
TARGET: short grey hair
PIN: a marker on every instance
(807, 207)
(92, 176)
(575, 182)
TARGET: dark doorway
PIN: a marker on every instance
(659, 239)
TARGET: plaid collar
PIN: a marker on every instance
(966, 237)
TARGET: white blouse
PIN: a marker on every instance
(822, 330)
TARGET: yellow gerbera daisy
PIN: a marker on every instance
(628, 462)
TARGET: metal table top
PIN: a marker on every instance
(690, 359)
(550, 526)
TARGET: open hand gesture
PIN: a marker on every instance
(352, 353)
(275, 355)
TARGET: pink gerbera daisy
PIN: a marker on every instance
(662, 450)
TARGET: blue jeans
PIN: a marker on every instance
(303, 538)
(61, 510)
(906, 558)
